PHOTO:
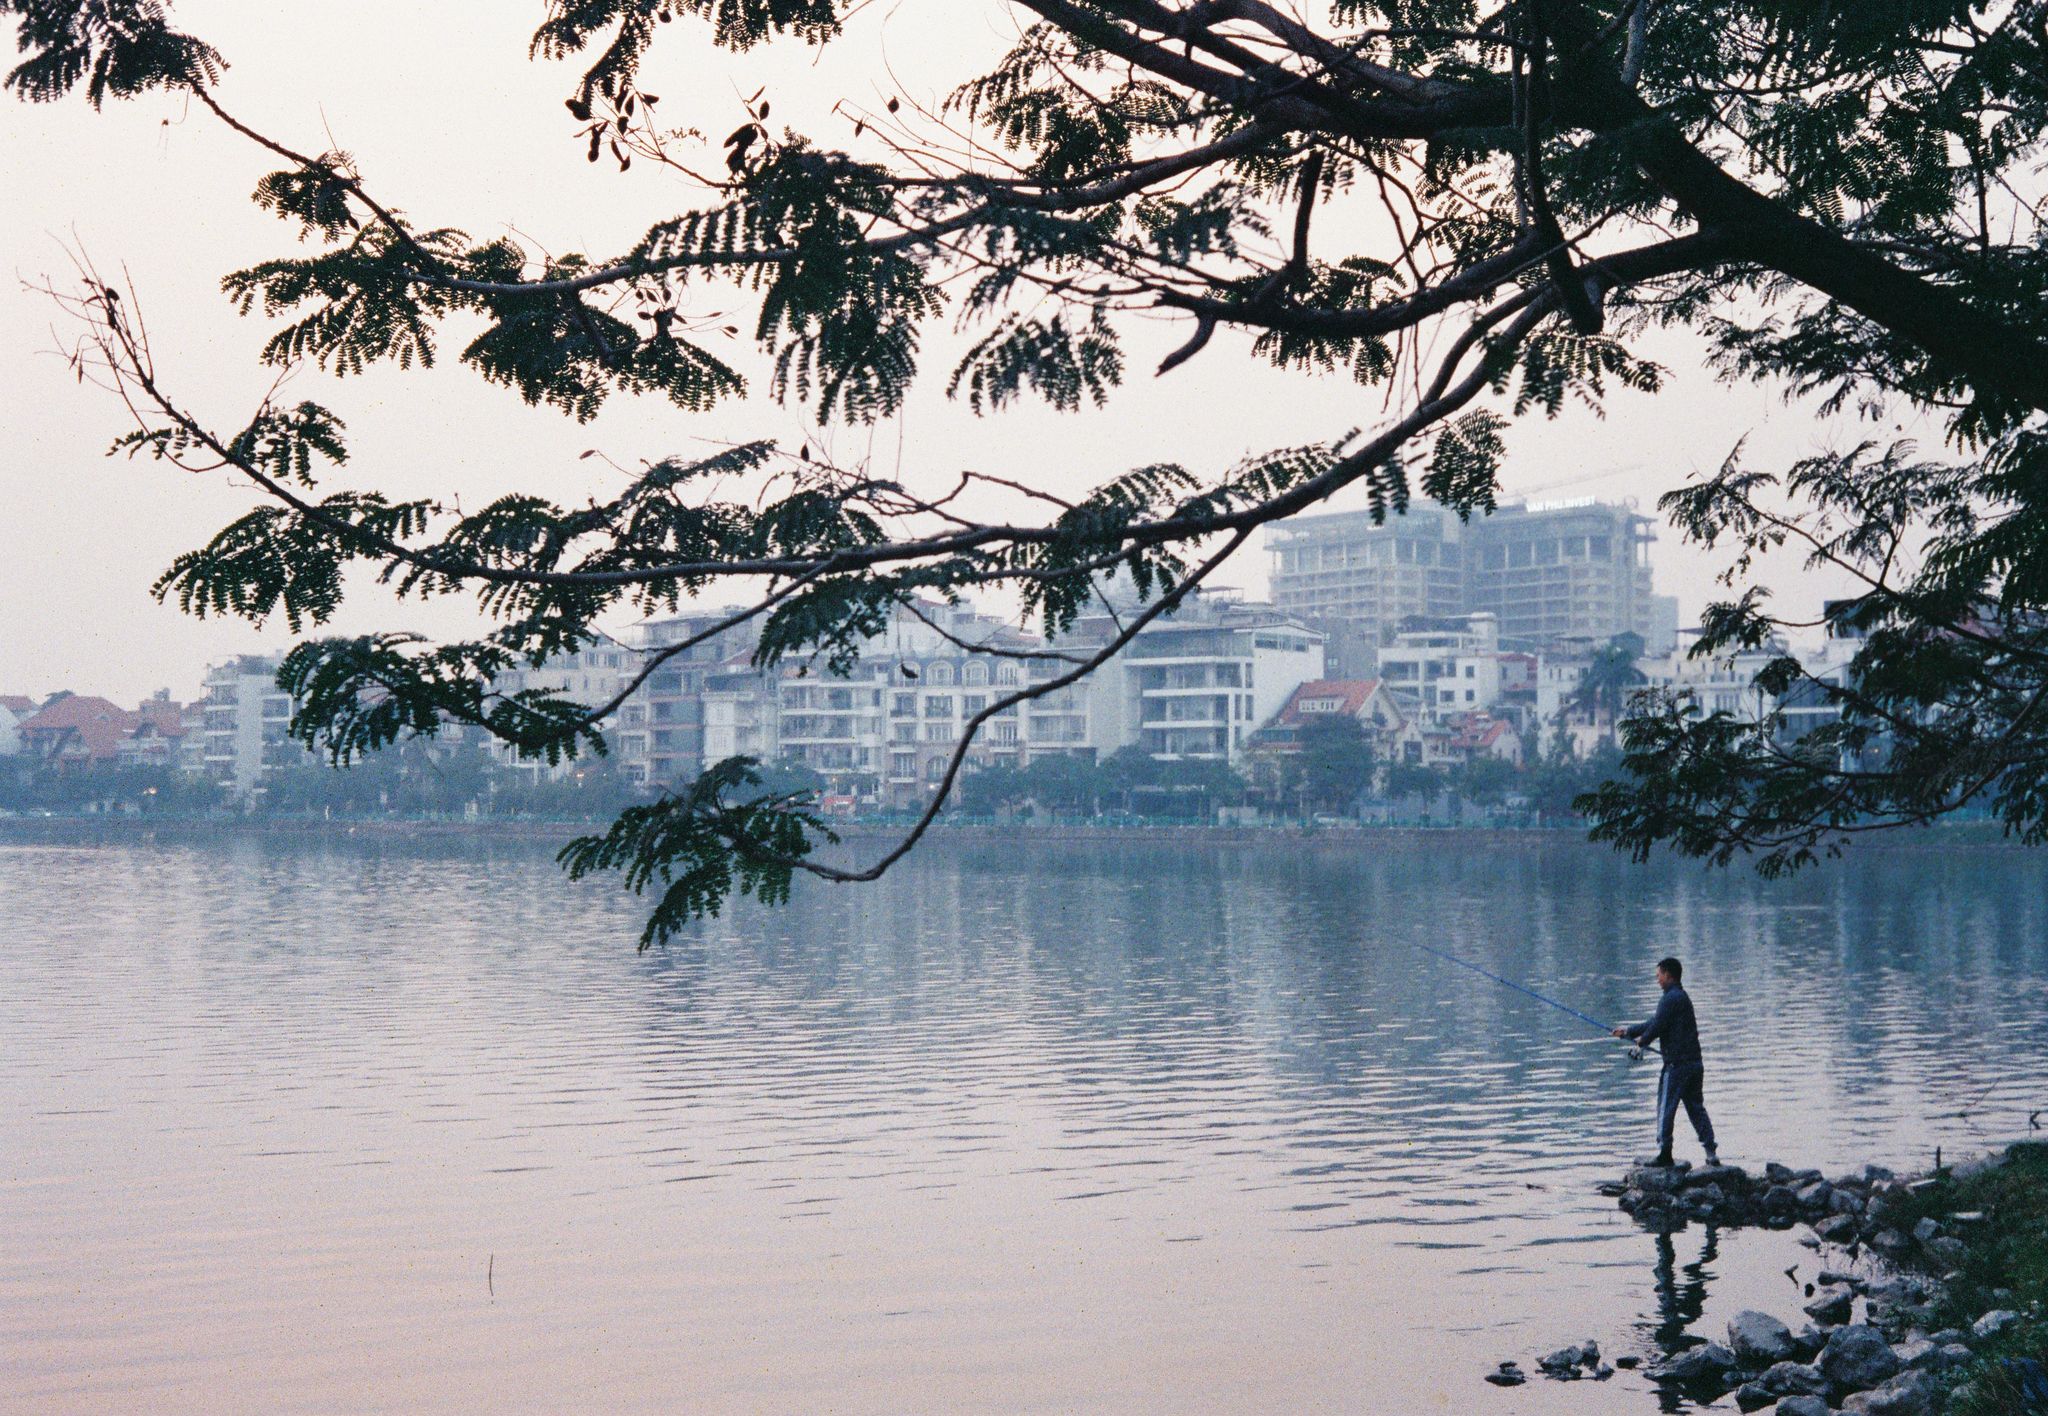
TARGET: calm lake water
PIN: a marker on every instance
(356, 1125)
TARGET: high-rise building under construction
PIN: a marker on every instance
(1549, 572)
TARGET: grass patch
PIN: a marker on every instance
(2004, 1265)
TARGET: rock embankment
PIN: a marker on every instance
(1867, 1338)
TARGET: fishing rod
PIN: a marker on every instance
(1586, 1018)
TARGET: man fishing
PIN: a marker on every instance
(1684, 1075)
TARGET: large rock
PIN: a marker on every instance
(1926, 1230)
(1758, 1339)
(1751, 1397)
(1802, 1406)
(1915, 1352)
(1710, 1362)
(1831, 1305)
(1795, 1379)
(1911, 1394)
(1845, 1201)
(1836, 1228)
(1857, 1357)
(1995, 1321)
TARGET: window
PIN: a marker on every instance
(935, 769)
(903, 732)
(939, 675)
(1006, 675)
(976, 673)
(1521, 553)
(1471, 671)
(903, 705)
(973, 703)
(938, 732)
(903, 764)
(939, 705)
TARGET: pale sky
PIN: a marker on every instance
(451, 122)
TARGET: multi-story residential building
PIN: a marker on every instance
(1547, 572)
(833, 725)
(1720, 683)
(592, 676)
(1199, 682)
(945, 666)
(157, 736)
(661, 732)
(1451, 667)
(246, 722)
(741, 714)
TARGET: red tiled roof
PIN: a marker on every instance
(1353, 694)
(1476, 732)
(19, 704)
(93, 724)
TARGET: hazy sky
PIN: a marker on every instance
(451, 122)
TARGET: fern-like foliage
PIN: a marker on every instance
(698, 845)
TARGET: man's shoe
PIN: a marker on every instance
(1661, 1160)
(1713, 1157)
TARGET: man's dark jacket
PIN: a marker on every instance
(1674, 1026)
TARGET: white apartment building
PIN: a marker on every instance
(246, 716)
(1199, 683)
(1453, 668)
(946, 666)
(591, 676)
(740, 713)
(1720, 683)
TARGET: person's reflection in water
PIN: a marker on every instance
(1681, 1298)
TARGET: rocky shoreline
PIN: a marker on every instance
(1873, 1343)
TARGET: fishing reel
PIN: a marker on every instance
(1637, 1054)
